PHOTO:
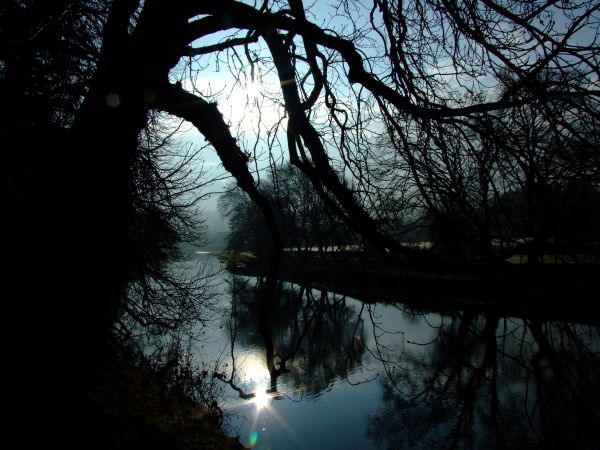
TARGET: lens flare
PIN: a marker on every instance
(253, 439)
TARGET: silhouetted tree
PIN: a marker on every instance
(548, 158)
(83, 263)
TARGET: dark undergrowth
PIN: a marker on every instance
(132, 409)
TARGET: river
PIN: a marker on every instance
(324, 371)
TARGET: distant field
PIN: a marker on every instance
(558, 259)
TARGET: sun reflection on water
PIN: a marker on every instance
(261, 398)
(254, 375)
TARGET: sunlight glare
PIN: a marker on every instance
(261, 399)
(244, 103)
(252, 89)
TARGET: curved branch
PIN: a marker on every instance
(322, 170)
(207, 118)
(234, 14)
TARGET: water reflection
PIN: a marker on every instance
(491, 382)
(311, 336)
(356, 375)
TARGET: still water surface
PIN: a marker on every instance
(331, 372)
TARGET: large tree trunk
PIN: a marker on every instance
(93, 209)
(69, 290)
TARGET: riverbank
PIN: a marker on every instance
(552, 290)
(131, 409)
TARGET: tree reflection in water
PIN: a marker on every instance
(312, 336)
(492, 382)
(480, 381)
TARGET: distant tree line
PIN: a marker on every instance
(306, 223)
